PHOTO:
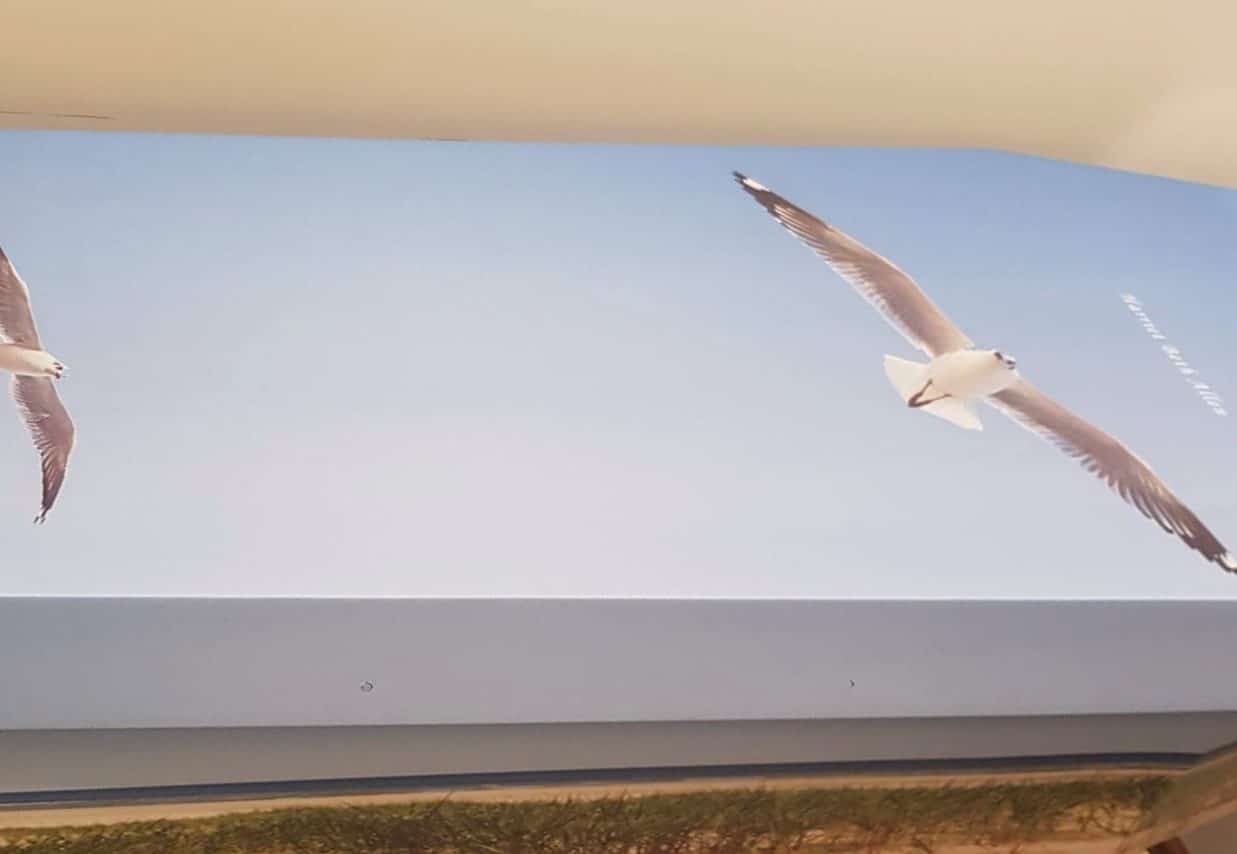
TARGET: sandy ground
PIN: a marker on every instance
(1218, 818)
(57, 816)
(1097, 846)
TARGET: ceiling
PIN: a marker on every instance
(1138, 86)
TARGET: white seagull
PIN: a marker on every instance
(33, 369)
(958, 376)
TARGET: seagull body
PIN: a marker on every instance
(969, 374)
(29, 362)
(33, 371)
(958, 376)
(951, 384)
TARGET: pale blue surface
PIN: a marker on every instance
(223, 662)
(390, 368)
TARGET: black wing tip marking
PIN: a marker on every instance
(791, 216)
(753, 188)
(44, 509)
(49, 500)
(779, 208)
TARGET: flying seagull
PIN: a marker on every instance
(33, 369)
(958, 375)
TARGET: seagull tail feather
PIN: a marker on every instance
(908, 378)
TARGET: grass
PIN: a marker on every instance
(717, 822)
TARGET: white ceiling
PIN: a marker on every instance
(1125, 83)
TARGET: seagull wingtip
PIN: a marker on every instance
(1227, 562)
(747, 183)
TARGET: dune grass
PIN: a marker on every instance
(719, 822)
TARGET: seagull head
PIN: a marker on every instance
(1007, 361)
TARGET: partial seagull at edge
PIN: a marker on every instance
(33, 371)
(958, 375)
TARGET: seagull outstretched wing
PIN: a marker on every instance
(46, 418)
(890, 291)
(1112, 462)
